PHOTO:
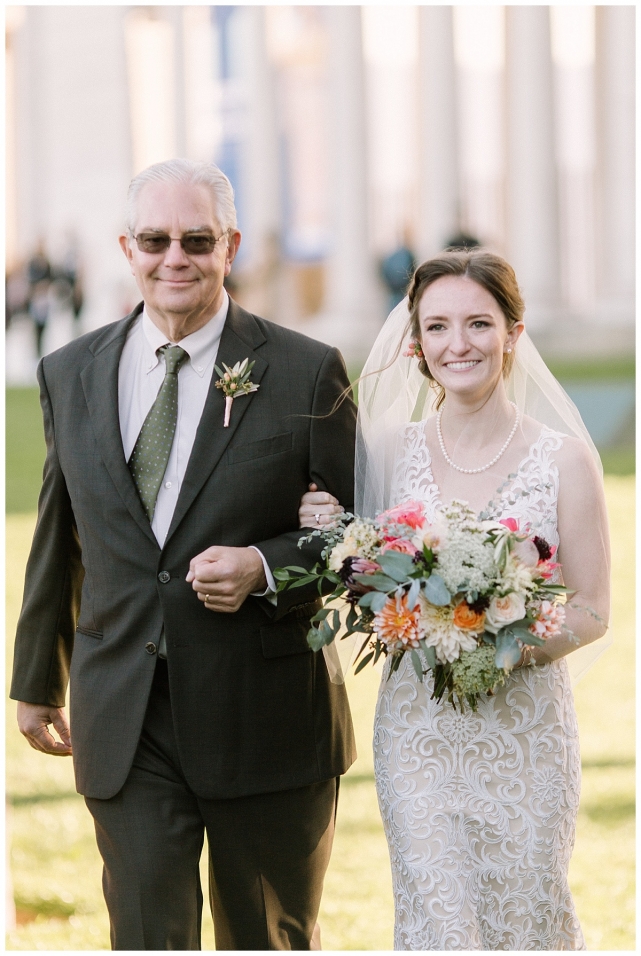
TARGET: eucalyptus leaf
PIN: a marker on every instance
(321, 615)
(413, 593)
(430, 655)
(397, 565)
(416, 661)
(508, 650)
(318, 639)
(435, 591)
(382, 582)
(375, 600)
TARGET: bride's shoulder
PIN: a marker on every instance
(571, 455)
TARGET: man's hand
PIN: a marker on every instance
(223, 577)
(33, 722)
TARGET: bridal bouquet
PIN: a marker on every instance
(460, 595)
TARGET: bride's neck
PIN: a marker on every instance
(476, 420)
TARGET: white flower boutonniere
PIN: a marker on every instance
(234, 383)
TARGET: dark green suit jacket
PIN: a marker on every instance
(254, 709)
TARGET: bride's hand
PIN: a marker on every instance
(317, 508)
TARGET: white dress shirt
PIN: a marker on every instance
(140, 374)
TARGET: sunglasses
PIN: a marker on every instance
(193, 244)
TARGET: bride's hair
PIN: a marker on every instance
(490, 271)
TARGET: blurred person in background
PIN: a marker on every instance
(397, 269)
(196, 703)
(39, 275)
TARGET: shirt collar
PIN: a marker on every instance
(201, 346)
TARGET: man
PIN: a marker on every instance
(195, 701)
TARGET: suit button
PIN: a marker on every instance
(164, 576)
(150, 648)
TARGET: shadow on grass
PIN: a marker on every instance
(27, 799)
(603, 763)
(611, 813)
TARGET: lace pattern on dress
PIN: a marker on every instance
(479, 809)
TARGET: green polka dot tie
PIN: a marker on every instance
(151, 452)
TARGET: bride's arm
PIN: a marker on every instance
(584, 551)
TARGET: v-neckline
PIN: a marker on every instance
(511, 478)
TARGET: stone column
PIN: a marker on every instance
(615, 83)
(439, 197)
(354, 308)
(73, 146)
(260, 153)
(531, 202)
(176, 18)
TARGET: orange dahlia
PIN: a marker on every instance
(397, 626)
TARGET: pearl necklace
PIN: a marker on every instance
(475, 471)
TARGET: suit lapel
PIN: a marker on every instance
(100, 384)
(241, 336)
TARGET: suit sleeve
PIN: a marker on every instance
(53, 581)
(331, 465)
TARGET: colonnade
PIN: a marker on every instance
(73, 152)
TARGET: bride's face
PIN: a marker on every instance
(464, 335)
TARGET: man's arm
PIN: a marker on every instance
(226, 576)
(331, 468)
(46, 629)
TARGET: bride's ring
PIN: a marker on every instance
(317, 517)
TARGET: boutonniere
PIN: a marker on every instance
(234, 383)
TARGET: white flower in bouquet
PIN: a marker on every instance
(504, 610)
(526, 552)
(433, 536)
(361, 540)
(516, 576)
(343, 550)
(441, 633)
(467, 561)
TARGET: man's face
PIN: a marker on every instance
(181, 292)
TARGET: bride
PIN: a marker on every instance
(479, 808)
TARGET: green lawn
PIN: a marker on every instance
(55, 865)
(57, 871)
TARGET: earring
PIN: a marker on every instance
(508, 351)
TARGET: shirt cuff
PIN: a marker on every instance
(270, 591)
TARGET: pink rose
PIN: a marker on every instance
(409, 513)
(399, 544)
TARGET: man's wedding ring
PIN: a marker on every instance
(317, 517)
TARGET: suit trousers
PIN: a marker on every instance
(268, 853)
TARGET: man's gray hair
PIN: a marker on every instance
(190, 172)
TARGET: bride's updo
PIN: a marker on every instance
(489, 270)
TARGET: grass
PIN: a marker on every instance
(25, 449)
(57, 870)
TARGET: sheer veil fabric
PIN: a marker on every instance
(393, 392)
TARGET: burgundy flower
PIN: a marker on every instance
(353, 566)
(544, 549)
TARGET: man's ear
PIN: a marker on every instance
(233, 243)
(126, 248)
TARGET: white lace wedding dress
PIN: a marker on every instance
(479, 809)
